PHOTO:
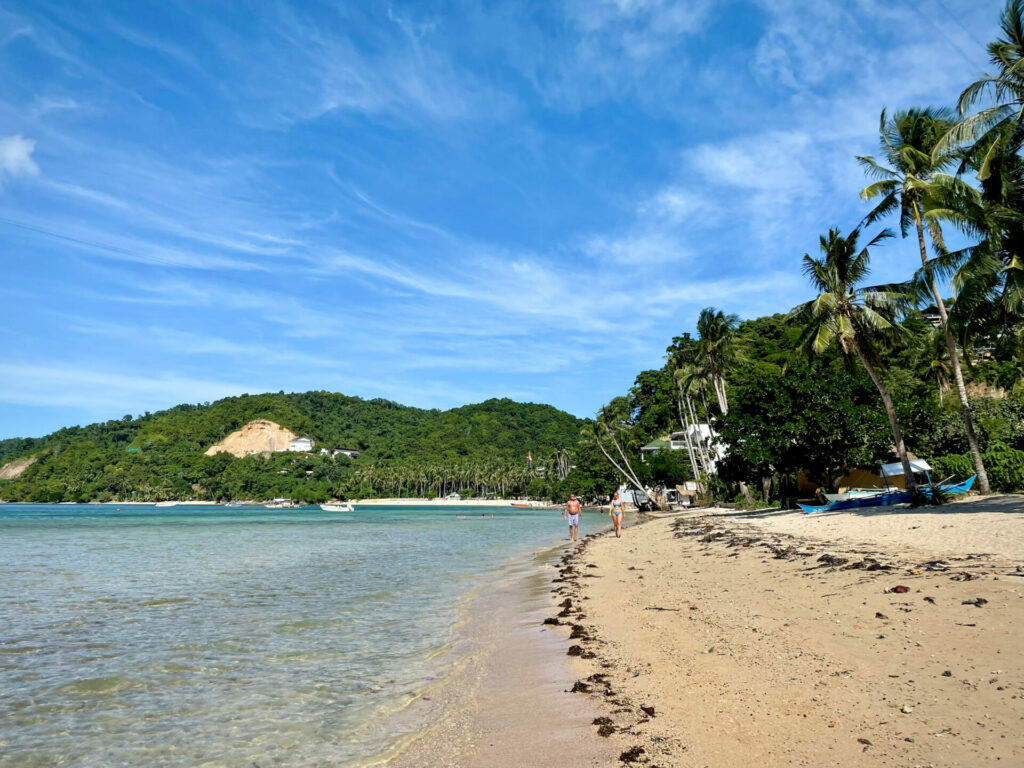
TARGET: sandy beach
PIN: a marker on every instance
(885, 637)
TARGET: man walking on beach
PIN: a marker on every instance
(574, 512)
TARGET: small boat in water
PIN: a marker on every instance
(166, 504)
(347, 507)
(280, 504)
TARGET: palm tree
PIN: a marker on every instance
(1006, 87)
(717, 334)
(993, 270)
(605, 431)
(855, 317)
(914, 185)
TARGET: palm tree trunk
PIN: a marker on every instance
(630, 478)
(701, 447)
(890, 411)
(723, 401)
(954, 360)
(686, 433)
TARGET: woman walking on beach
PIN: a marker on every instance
(615, 510)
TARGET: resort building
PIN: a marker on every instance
(676, 441)
(352, 454)
(301, 444)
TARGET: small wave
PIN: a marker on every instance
(18, 650)
(102, 686)
(165, 601)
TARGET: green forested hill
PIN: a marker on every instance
(408, 451)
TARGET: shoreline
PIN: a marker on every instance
(782, 639)
(506, 702)
(403, 502)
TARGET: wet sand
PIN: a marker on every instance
(787, 640)
(508, 705)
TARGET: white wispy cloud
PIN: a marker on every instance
(89, 194)
(104, 390)
(301, 69)
(16, 157)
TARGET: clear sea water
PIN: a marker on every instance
(212, 636)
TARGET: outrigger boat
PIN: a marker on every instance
(856, 499)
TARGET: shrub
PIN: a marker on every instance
(1005, 466)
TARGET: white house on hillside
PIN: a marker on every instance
(301, 444)
(352, 454)
(699, 433)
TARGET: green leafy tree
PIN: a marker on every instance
(857, 318)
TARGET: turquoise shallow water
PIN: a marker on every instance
(210, 636)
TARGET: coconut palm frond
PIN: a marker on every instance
(875, 170)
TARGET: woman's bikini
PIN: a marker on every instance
(619, 505)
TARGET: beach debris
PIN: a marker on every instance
(551, 620)
(632, 755)
(606, 730)
(602, 721)
(868, 564)
(867, 743)
(659, 608)
(977, 602)
(647, 710)
(962, 576)
(906, 709)
(575, 650)
(578, 632)
(833, 560)
(580, 687)
(929, 600)
(880, 615)
(947, 673)
(900, 589)
(567, 603)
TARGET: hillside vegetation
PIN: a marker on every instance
(475, 449)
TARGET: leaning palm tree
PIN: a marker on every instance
(717, 332)
(858, 318)
(912, 183)
(1006, 88)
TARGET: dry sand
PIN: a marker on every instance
(778, 639)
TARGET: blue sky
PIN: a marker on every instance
(436, 203)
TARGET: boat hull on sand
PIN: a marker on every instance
(886, 499)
